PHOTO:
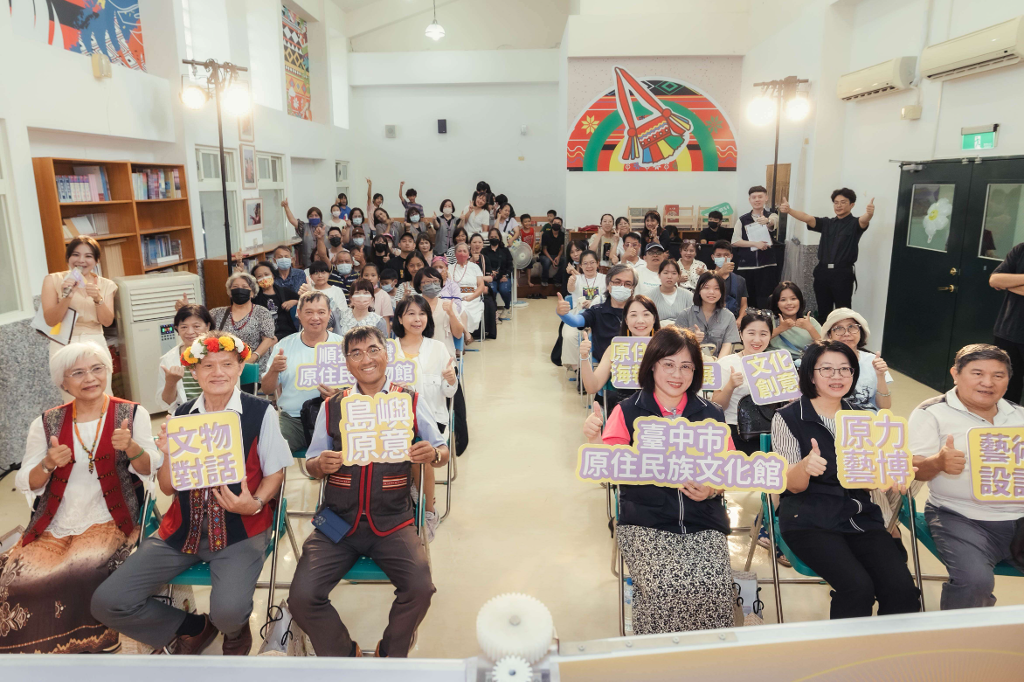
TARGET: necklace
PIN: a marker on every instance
(91, 451)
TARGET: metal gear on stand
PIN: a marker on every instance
(514, 625)
(512, 669)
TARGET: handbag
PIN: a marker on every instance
(753, 419)
(282, 636)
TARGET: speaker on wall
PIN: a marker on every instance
(442, 126)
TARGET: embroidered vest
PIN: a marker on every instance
(377, 494)
(742, 255)
(181, 527)
(116, 481)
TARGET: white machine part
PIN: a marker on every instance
(514, 625)
(145, 323)
(512, 669)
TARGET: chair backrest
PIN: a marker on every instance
(250, 373)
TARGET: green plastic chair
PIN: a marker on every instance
(250, 374)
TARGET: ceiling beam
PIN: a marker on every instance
(386, 12)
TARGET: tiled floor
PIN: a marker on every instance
(521, 521)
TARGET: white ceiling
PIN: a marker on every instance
(349, 5)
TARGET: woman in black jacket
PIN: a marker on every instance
(672, 539)
(498, 260)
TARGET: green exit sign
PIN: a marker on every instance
(979, 140)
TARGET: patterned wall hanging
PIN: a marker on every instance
(296, 64)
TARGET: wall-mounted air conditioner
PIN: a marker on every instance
(989, 48)
(895, 74)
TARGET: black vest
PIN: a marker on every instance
(825, 505)
(664, 508)
(742, 255)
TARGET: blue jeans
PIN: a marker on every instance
(505, 289)
(545, 268)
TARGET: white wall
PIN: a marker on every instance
(483, 143)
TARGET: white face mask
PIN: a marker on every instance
(447, 211)
(620, 293)
(414, 218)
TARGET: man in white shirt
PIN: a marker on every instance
(648, 279)
(972, 536)
(752, 248)
(631, 251)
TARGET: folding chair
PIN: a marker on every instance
(453, 470)
(251, 375)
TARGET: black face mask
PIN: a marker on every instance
(381, 248)
(240, 296)
(494, 241)
(713, 224)
(335, 241)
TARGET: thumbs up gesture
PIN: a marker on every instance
(173, 374)
(698, 333)
(183, 301)
(280, 362)
(585, 346)
(122, 437)
(953, 461)
(870, 208)
(814, 463)
(57, 455)
(571, 284)
(563, 306)
(784, 206)
(449, 372)
(592, 427)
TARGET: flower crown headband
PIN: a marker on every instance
(193, 354)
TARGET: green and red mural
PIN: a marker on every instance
(651, 124)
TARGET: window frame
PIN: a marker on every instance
(269, 184)
(233, 184)
(25, 307)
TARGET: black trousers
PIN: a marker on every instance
(833, 287)
(461, 426)
(761, 282)
(1016, 352)
(860, 567)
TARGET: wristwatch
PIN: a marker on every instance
(256, 355)
(45, 470)
(262, 504)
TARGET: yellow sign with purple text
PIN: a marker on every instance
(871, 450)
(205, 450)
(376, 429)
(996, 455)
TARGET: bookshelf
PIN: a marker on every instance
(130, 222)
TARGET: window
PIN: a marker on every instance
(211, 202)
(931, 209)
(341, 178)
(270, 172)
(13, 302)
(1003, 224)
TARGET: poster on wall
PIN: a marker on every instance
(651, 124)
(83, 26)
(253, 214)
(248, 166)
(296, 64)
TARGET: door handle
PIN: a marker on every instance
(951, 288)
(952, 271)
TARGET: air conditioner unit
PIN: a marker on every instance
(989, 48)
(145, 324)
(895, 74)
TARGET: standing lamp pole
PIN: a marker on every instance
(781, 91)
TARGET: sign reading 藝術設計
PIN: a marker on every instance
(330, 369)
(376, 429)
(871, 450)
(205, 450)
(996, 455)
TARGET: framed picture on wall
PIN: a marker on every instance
(245, 129)
(253, 214)
(248, 166)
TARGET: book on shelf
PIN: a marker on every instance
(159, 249)
(671, 214)
(159, 183)
(89, 183)
(88, 224)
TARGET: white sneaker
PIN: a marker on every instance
(432, 522)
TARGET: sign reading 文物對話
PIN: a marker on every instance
(670, 452)
(205, 450)
(331, 371)
(771, 376)
(871, 450)
(996, 455)
(377, 428)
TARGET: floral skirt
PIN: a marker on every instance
(680, 582)
(46, 589)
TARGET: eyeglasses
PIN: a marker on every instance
(622, 283)
(829, 372)
(682, 368)
(763, 314)
(372, 351)
(95, 370)
(842, 331)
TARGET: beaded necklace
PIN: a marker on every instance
(91, 451)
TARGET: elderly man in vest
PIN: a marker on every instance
(227, 526)
(374, 500)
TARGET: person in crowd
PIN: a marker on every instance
(174, 385)
(383, 224)
(425, 246)
(671, 240)
(358, 241)
(382, 521)
(552, 244)
(835, 274)
(414, 263)
(360, 313)
(570, 263)
(242, 511)
(476, 218)
(314, 313)
(319, 273)
(383, 255)
(373, 200)
(80, 529)
(436, 381)
(79, 288)
(671, 299)
(459, 236)
(356, 218)
(714, 230)
(342, 274)
(631, 245)
(709, 319)
(250, 322)
(306, 231)
(972, 536)
(498, 261)
(648, 280)
(1008, 332)
(755, 259)
(445, 224)
(652, 229)
(838, 532)
(755, 334)
(735, 286)
(795, 329)
(476, 253)
(605, 241)
(389, 283)
(381, 299)
(288, 276)
(335, 244)
(449, 290)
(279, 301)
(690, 268)
(527, 232)
(506, 223)
(585, 284)
(672, 539)
(850, 327)
(551, 215)
(604, 319)
(343, 208)
(406, 246)
(409, 201)
(335, 220)
(639, 318)
(622, 228)
(470, 279)
(417, 224)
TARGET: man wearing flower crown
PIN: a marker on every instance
(227, 526)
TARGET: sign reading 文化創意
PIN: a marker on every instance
(205, 450)
(376, 429)
(996, 456)
(871, 450)
(771, 376)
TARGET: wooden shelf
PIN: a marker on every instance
(153, 201)
(159, 230)
(95, 203)
(103, 237)
(150, 268)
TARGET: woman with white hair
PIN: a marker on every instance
(849, 327)
(81, 463)
(248, 321)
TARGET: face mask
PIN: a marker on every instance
(357, 221)
(414, 218)
(713, 224)
(387, 287)
(284, 263)
(358, 241)
(345, 268)
(720, 261)
(336, 214)
(432, 290)
(494, 241)
(335, 241)
(447, 211)
(361, 298)
(313, 222)
(265, 282)
(240, 296)
(381, 248)
(620, 293)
